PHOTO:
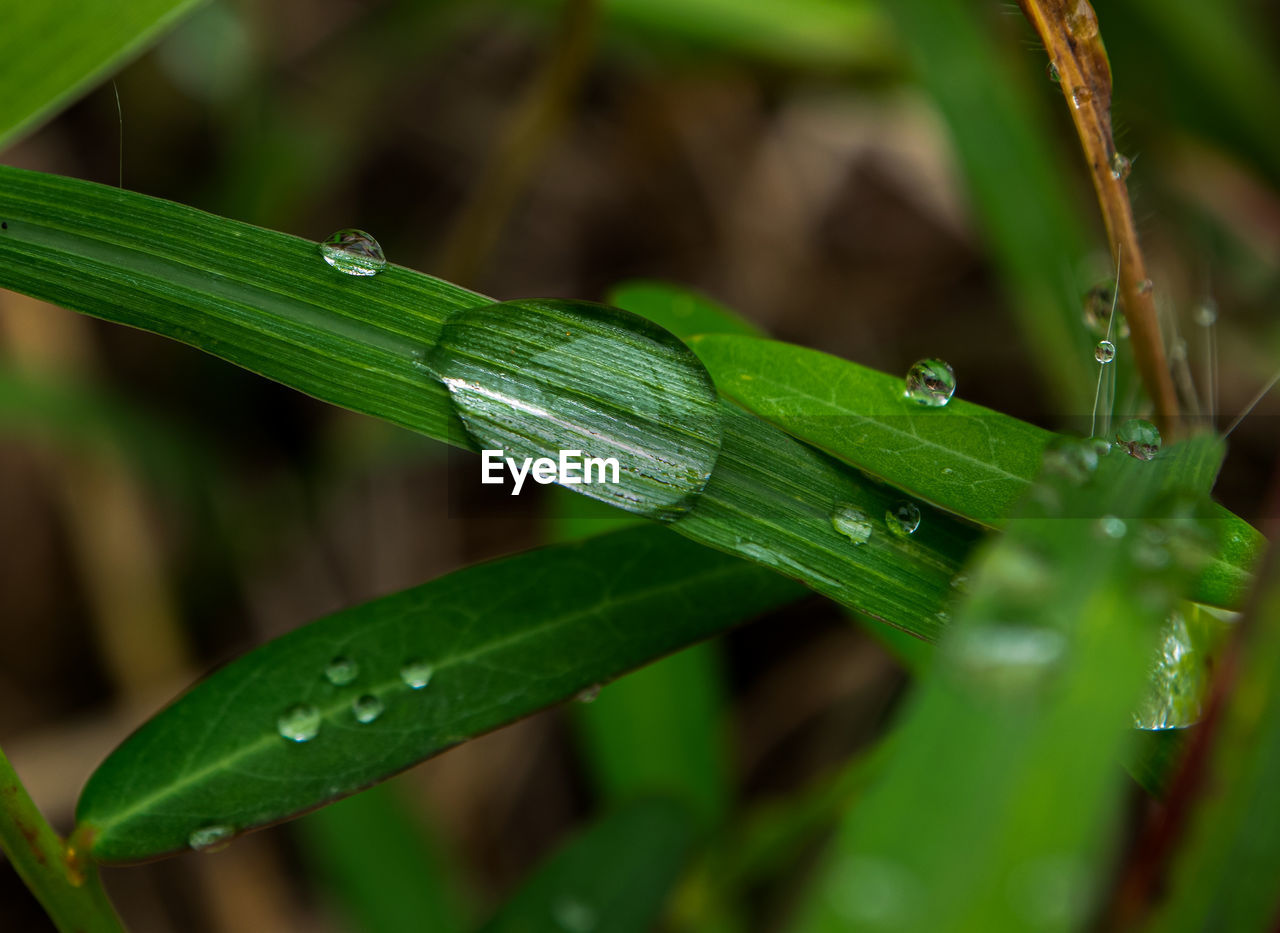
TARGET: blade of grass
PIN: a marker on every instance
(1224, 876)
(266, 301)
(1015, 178)
(997, 810)
(615, 876)
(497, 641)
(54, 50)
(680, 310)
(969, 460)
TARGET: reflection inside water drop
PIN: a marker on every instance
(299, 723)
(1139, 439)
(930, 383)
(903, 519)
(416, 674)
(353, 252)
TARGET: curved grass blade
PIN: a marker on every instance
(997, 810)
(969, 460)
(682, 311)
(615, 876)
(266, 301)
(1224, 876)
(487, 645)
(54, 50)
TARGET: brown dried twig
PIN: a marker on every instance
(1069, 30)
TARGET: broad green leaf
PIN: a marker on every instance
(1224, 876)
(266, 301)
(615, 876)
(51, 51)
(488, 644)
(680, 310)
(370, 854)
(998, 808)
(969, 460)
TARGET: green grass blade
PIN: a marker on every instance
(615, 876)
(1224, 877)
(997, 811)
(376, 861)
(266, 301)
(54, 50)
(1014, 176)
(503, 639)
(969, 460)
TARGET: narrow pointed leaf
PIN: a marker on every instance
(997, 811)
(969, 460)
(615, 876)
(53, 50)
(488, 644)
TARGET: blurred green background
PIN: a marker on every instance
(882, 181)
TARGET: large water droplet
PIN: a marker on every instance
(299, 723)
(353, 252)
(851, 522)
(1179, 677)
(366, 708)
(1120, 166)
(930, 383)
(1082, 22)
(539, 377)
(416, 674)
(1096, 311)
(574, 916)
(1105, 351)
(903, 519)
(1004, 657)
(341, 671)
(1139, 439)
(210, 838)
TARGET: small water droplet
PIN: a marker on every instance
(589, 695)
(1109, 526)
(1081, 96)
(574, 916)
(851, 522)
(1206, 313)
(1120, 166)
(1139, 439)
(1105, 351)
(1082, 22)
(210, 838)
(1004, 657)
(299, 723)
(1179, 677)
(930, 383)
(903, 519)
(353, 252)
(1096, 311)
(1146, 287)
(366, 708)
(341, 671)
(1051, 69)
(416, 674)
